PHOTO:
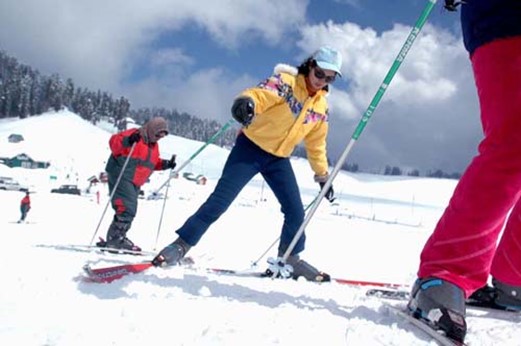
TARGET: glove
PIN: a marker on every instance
(243, 110)
(171, 164)
(330, 194)
(134, 138)
(451, 5)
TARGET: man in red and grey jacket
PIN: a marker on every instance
(136, 152)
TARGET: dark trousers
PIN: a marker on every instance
(124, 201)
(23, 210)
(246, 160)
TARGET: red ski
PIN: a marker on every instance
(109, 274)
(112, 273)
(368, 283)
(337, 280)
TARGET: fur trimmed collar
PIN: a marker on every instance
(285, 68)
(292, 70)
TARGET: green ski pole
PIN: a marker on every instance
(174, 173)
(361, 125)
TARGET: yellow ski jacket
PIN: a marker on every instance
(286, 115)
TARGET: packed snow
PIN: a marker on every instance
(374, 233)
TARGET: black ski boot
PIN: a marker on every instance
(498, 296)
(484, 297)
(116, 237)
(508, 296)
(306, 270)
(295, 267)
(172, 254)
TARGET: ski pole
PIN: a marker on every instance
(162, 213)
(363, 122)
(211, 140)
(254, 264)
(176, 172)
(113, 191)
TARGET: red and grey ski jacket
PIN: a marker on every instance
(142, 163)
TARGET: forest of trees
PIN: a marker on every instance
(25, 92)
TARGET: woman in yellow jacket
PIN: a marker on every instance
(287, 108)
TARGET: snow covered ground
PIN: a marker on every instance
(375, 233)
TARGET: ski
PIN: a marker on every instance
(424, 326)
(94, 248)
(367, 283)
(388, 293)
(112, 273)
(109, 274)
(470, 303)
(335, 280)
(101, 244)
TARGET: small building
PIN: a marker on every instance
(93, 180)
(15, 138)
(127, 123)
(24, 161)
(104, 177)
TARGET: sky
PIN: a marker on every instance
(196, 56)
(374, 233)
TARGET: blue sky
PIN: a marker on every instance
(195, 56)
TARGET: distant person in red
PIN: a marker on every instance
(25, 206)
(136, 153)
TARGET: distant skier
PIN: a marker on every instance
(25, 206)
(138, 149)
(464, 250)
(287, 108)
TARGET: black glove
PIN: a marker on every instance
(134, 138)
(451, 5)
(170, 163)
(243, 110)
(330, 194)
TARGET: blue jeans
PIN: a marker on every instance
(246, 160)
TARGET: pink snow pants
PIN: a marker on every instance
(463, 248)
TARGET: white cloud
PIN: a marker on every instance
(427, 118)
(167, 57)
(201, 94)
(96, 42)
(101, 44)
(367, 57)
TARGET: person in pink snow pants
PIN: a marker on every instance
(463, 256)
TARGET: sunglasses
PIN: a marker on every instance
(320, 74)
